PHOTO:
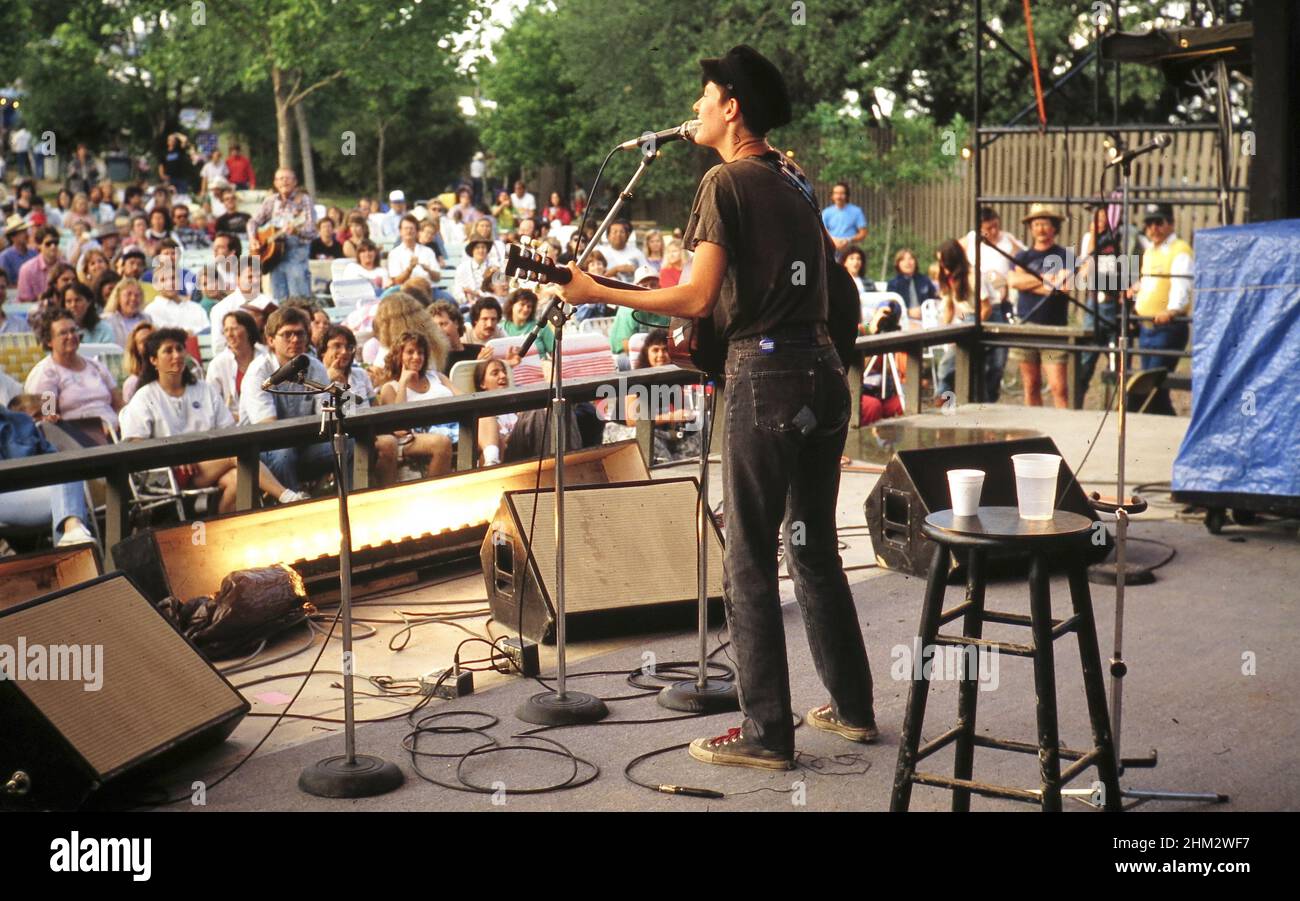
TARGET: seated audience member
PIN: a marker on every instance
(159, 230)
(909, 284)
(81, 387)
(624, 259)
(411, 371)
(495, 284)
(35, 275)
(171, 401)
(676, 432)
(358, 231)
(243, 345)
(855, 262)
(366, 266)
(103, 287)
(484, 321)
(134, 362)
(627, 323)
(595, 266)
(518, 320)
(326, 246)
(80, 301)
(230, 220)
(124, 312)
(556, 210)
(430, 238)
(286, 333)
(670, 273)
(503, 211)
(169, 309)
(468, 285)
(338, 350)
(131, 264)
(493, 431)
(64, 506)
(409, 259)
(398, 314)
(17, 232)
(482, 230)
(654, 250)
(188, 235)
(61, 275)
(880, 397)
(447, 317)
(92, 264)
(420, 289)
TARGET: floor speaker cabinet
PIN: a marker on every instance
(30, 576)
(99, 692)
(630, 560)
(915, 484)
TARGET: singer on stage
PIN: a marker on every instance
(760, 273)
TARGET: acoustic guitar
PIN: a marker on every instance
(692, 343)
(272, 243)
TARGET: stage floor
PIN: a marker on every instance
(1222, 604)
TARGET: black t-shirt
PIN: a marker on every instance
(776, 257)
(1055, 308)
(321, 251)
(467, 352)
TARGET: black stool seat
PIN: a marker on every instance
(1001, 528)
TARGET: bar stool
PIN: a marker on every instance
(1002, 529)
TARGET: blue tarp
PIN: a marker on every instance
(1245, 432)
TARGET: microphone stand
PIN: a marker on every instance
(702, 695)
(1122, 508)
(562, 707)
(352, 775)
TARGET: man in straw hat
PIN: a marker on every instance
(18, 234)
(1040, 277)
(787, 403)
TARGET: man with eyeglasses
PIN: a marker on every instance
(287, 332)
(33, 277)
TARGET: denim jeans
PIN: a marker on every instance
(787, 416)
(295, 465)
(1162, 337)
(31, 507)
(1105, 316)
(292, 278)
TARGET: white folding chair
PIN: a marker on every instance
(336, 268)
(598, 324)
(349, 293)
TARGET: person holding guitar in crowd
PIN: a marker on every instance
(280, 234)
(760, 273)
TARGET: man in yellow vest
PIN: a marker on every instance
(1164, 295)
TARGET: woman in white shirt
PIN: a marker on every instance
(412, 376)
(493, 431)
(243, 347)
(470, 272)
(367, 266)
(171, 401)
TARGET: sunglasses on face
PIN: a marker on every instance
(49, 243)
(1155, 222)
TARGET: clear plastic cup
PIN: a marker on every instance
(1036, 484)
(964, 487)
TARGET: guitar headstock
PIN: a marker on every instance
(531, 263)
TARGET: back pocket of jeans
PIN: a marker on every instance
(784, 400)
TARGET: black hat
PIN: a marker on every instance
(1157, 211)
(756, 84)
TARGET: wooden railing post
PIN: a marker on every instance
(247, 477)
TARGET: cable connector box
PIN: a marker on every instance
(447, 684)
(523, 656)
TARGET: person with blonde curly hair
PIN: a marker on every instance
(399, 313)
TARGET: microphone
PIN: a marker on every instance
(289, 372)
(684, 132)
(1160, 141)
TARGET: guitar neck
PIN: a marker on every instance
(546, 272)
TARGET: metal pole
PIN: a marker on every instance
(345, 590)
(976, 159)
(702, 535)
(558, 422)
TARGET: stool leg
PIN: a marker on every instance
(920, 687)
(1094, 686)
(968, 690)
(1049, 743)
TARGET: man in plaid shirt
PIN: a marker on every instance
(290, 209)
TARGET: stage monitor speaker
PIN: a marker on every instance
(630, 559)
(99, 689)
(30, 576)
(915, 484)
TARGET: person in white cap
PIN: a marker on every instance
(626, 325)
(396, 210)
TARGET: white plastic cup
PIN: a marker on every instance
(1036, 484)
(964, 487)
